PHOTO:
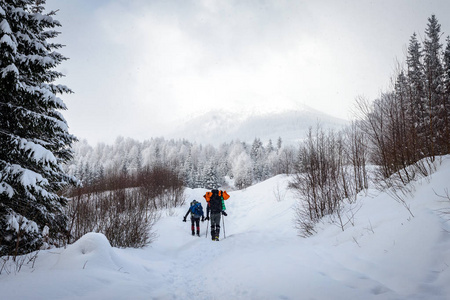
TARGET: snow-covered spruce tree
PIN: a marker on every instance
(242, 169)
(257, 155)
(416, 96)
(433, 82)
(446, 92)
(210, 176)
(34, 138)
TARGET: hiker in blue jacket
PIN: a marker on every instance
(196, 211)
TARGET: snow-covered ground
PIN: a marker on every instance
(387, 254)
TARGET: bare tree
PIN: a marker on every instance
(127, 211)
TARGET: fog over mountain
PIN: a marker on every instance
(219, 126)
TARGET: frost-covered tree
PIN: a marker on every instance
(257, 154)
(447, 66)
(223, 167)
(269, 147)
(135, 159)
(210, 176)
(446, 92)
(197, 177)
(242, 171)
(279, 143)
(34, 137)
(433, 82)
(187, 172)
(416, 92)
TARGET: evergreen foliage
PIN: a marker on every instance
(411, 122)
(34, 138)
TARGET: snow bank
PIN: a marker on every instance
(404, 254)
(92, 250)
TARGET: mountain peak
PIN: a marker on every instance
(217, 126)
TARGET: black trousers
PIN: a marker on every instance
(195, 222)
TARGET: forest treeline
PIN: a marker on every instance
(196, 165)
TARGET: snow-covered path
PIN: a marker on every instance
(387, 254)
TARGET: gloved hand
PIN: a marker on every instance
(207, 218)
(224, 213)
(184, 219)
(203, 219)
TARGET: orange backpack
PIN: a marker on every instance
(223, 194)
(207, 196)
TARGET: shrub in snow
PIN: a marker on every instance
(125, 217)
(325, 178)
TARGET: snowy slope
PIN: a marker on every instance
(387, 254)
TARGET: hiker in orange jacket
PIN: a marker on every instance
(215, 208)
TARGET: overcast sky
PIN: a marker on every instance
(137, 66)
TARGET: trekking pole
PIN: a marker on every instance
(223, 223)
(207, 226)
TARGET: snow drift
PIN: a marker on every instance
(92, 248)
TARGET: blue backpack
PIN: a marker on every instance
(196, 209)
